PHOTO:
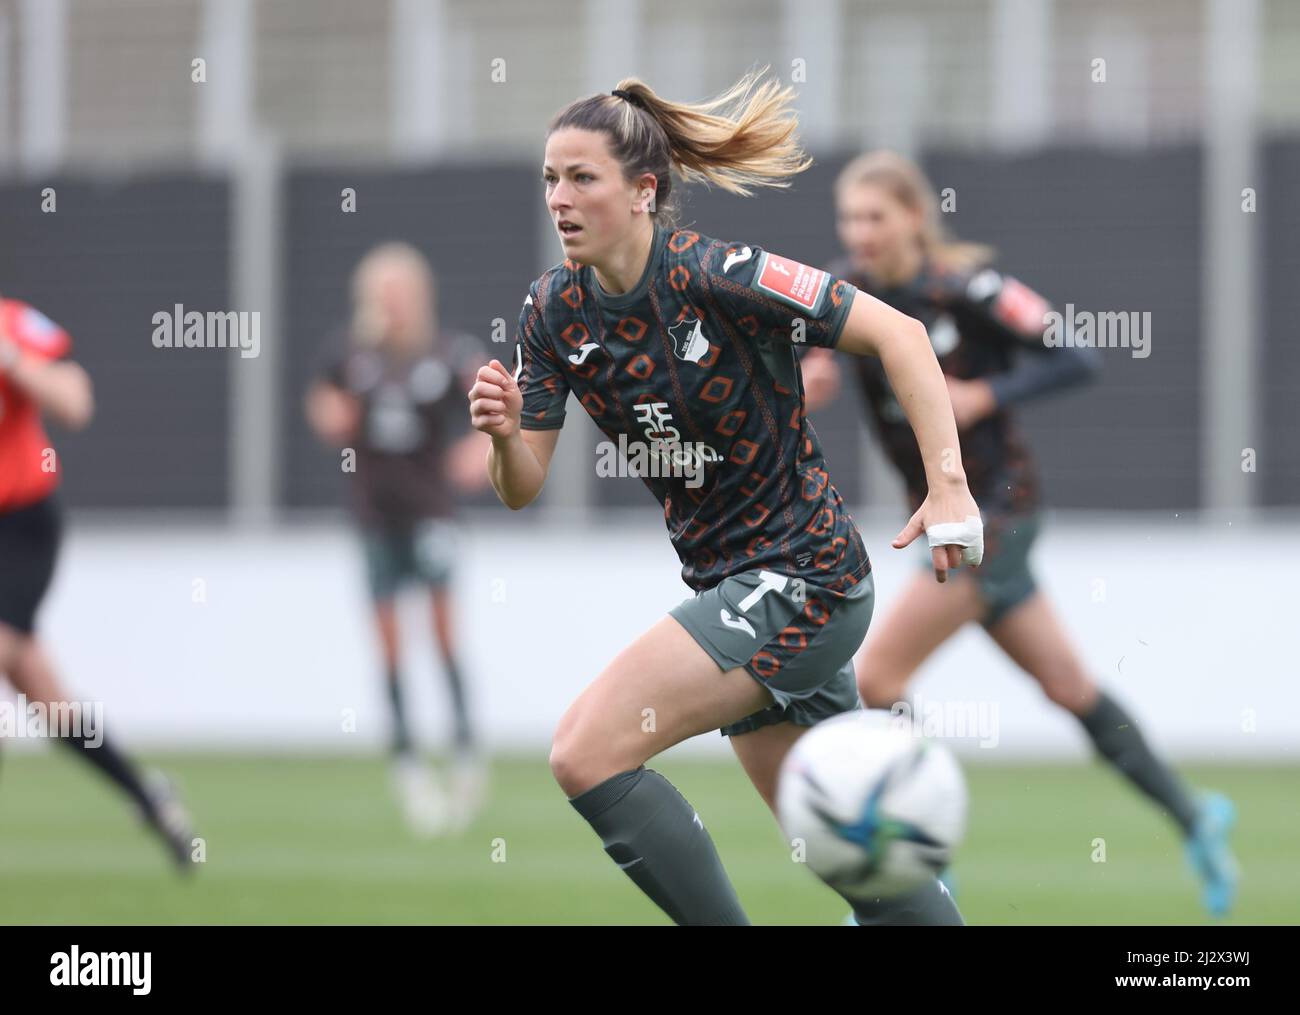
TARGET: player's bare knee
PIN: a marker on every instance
(576, 771)
(880, 687)
(578, 764)
(1068, 687)
(565, 768)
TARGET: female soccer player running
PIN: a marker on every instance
(683, 346)
(987, 330)
(35, 378)
(392, 392)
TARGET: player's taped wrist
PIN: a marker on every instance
(968, 534)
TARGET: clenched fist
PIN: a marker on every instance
(495, 401)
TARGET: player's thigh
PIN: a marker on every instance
(761, 753)
(10, 643)
(1033, 636)
(660, 690)
(925, 616)
(33, 674)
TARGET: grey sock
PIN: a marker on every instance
(1120, 742)
(930, 906)
(658, 840)
(401, 742)
(463, 731)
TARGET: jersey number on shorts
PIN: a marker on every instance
(767, 582)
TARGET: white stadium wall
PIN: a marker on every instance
(196, 638)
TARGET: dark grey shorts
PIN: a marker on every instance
(1005, 579)
(422, 552)
(794, 637)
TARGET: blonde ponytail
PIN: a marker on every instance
(743, 138)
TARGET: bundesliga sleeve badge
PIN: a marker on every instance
(790, 282)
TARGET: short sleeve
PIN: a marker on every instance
(537, 370)
(34, 333)
(1016, 311)
(765, 293)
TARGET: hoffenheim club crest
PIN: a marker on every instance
(689, 342)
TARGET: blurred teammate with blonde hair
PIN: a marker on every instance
(393, 393)
(987, 330)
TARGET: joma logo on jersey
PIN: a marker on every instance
(580, 357)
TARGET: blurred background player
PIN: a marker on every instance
(393, 394)
(987, 330)
(36, 378)
(675, 341)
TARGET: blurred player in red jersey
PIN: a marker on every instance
(390, 389)
(988, 332)
(37, 378)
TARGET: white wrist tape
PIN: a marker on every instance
(968, 534)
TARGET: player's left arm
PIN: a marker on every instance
(59, 387)
(873, 328)
(796, 303)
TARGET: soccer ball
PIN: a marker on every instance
(877, 810)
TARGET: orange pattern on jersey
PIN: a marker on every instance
(572, 296)
(641, 367)
(622, 329)
(730, 424)
(743, 452)
(718, 389)
(681, 241)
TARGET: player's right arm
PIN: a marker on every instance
(32, 360)
(518, 459)
(522, 411)
(334, 414)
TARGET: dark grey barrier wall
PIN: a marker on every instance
(1278, 209)
(102, 264)
(478, 226)
(1105, 231)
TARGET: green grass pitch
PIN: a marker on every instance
(320, 840)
